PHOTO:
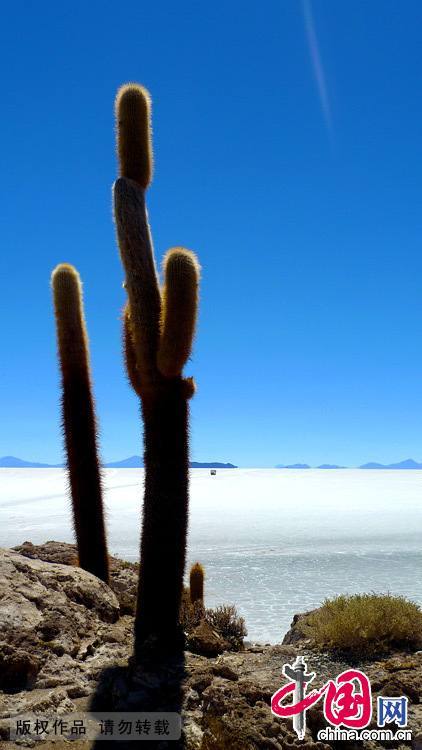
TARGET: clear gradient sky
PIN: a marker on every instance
(288, 145)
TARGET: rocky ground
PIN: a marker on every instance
(65, 641)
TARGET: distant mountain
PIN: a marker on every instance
(133, 462)
(136, 462)
(409, 463)
(11, 462)
(293, 466)
(215, 465)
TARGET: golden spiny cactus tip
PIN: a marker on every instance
(133, 123)
(179, 310)
(196, 583)
(67, 290)
(64, 273)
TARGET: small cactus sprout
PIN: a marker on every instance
(196, 583)
(158, 333)
(79, 422)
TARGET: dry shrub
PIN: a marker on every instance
(224, 620)
(228, 624)
(366, 624)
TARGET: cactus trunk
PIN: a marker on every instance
(79, 422)
(165, 515)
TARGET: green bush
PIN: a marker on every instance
(366, 624)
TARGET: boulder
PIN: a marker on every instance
(59, 628)
(206, 641)
(123, 575)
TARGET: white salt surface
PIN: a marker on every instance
(273, 542)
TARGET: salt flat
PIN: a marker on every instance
(274, 542)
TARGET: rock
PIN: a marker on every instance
(59, 628)
(229, 722)
(123, 575)
(18, 668)
(222, 669)
(200, 680)
(124, 582)
(56, 552)
(63, 645)
(297, 631)
(206, 641)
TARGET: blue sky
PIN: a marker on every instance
(288, 154)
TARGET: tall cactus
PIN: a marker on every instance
(79, 423)
(158, 332)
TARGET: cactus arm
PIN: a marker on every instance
(179, 310)
(141, 276)
(134, 148)
(79, 422)
(129, 353)
(133, 119)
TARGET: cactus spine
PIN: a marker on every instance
(79, 423)
(158, 333)
(196, 583)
